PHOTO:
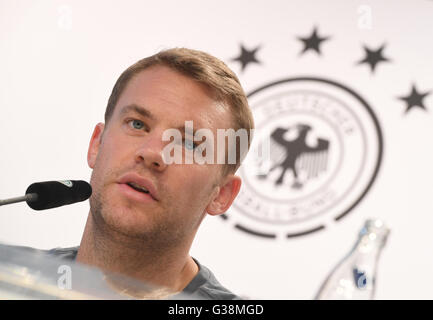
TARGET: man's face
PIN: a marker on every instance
(129, 154)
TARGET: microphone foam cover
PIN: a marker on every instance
(52, 194)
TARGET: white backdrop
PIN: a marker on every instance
(60, 59)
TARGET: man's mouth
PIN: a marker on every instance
(138, 187)
(135, 185)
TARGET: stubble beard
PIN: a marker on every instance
(157, 233)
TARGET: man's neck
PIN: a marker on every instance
(171, 268)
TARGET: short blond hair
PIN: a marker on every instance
(207, 70)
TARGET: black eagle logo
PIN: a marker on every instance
(296, 155)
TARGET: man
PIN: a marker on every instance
(144, 213)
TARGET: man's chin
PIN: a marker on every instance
(128, 224)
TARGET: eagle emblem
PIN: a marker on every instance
(296, 156)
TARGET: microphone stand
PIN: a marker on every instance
(30, 197)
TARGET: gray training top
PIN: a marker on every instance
(203, 286)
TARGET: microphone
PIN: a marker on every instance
(52, 194)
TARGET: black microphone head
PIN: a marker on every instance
(52, 194)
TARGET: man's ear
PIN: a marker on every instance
(224, 195)
(95, 142)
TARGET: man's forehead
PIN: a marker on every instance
(162, 93)
(176, 120)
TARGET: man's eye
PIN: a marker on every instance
(190, 145)
(136, 124)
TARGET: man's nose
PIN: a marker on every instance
(150, 153)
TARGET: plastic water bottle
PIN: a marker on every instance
(354, 278)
